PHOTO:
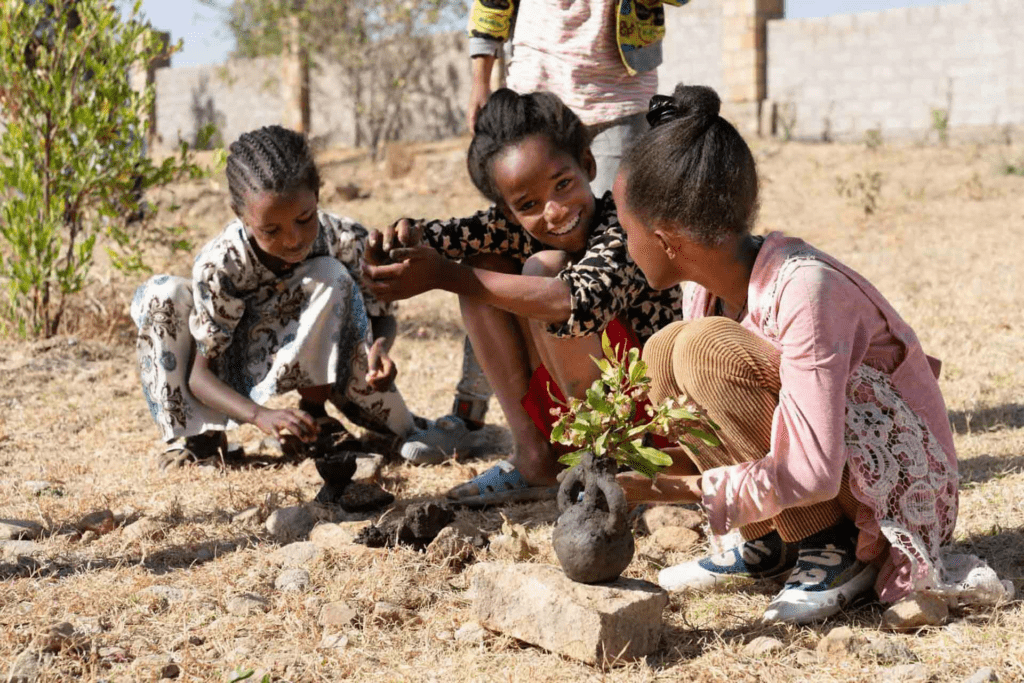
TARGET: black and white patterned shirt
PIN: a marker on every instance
(604, 283)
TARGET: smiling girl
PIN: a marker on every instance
(272, 307)
(539, 276)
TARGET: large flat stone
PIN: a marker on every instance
(613, 622)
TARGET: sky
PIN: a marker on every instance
(207, 42)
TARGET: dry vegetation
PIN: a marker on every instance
(941, 244)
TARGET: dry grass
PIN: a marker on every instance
(941, 245)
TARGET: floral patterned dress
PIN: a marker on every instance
(264, 333)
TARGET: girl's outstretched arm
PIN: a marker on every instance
(421, 269)
(215, 393)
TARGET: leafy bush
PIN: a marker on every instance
(606, 423)
(72, 157)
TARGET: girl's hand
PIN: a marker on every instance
(417, 270)
(276, 422)
(662, 489)
(380, 245)
(382, 369)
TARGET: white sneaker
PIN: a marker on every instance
(827, 576)
(762, 558)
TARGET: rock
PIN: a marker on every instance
(18, 529)
(450, 548)
(334, 641)
(763, 645)
(60, 637)
(291, 523)
(88, 537)
(916, 611)
(675, 538)
(292, 581)
(170, 670)
(118, 654)
(983, 675)
(660, 516)
(471, 632)
(245, 604)
(16, 550)
(340, 537)
(247, 516)
(337, 614)
(388, 613)
(144, 529)
(417, 527)
(101, 522)
(839, 642)
(297, 554)
(538, 604)
(887, 652)
(907, 673)
(368, 468)
(25, 668)
(168, 593)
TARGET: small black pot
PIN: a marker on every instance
(592, 538)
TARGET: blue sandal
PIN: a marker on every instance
(500, 484)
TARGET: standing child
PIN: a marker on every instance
(544, 271)
(272, 306)
(837, 463)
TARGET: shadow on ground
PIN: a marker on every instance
(1008, 416)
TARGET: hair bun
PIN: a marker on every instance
(698, 101)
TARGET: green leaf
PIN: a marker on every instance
(572, 459)
(606, 347)
(655, 456)
(681, 414)
(708, 438)
(637, 371)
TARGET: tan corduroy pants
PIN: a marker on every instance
(734, 376)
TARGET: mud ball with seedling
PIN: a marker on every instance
(612, 428)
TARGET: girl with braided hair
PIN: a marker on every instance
(273, 306)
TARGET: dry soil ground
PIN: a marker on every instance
(942, 244)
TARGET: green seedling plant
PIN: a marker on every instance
(608, 422)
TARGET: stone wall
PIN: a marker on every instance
(899, 72)
(693, 46)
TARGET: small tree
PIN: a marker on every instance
(72, 155)
(608, 423)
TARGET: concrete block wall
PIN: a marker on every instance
(839, 77)
(245, 94)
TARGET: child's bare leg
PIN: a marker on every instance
(508, 361)
(568, 359)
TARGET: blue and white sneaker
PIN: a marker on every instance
(766, 557)
(827, 576)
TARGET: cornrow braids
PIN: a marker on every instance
(508, 118)
(271, 159)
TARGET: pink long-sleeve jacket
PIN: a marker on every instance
(827, 321)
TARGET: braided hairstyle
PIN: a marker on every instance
(271, 159)
(507, 119)
(692, 170)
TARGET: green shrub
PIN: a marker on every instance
(72, 155)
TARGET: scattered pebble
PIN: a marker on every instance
(675, 538)
(291, 523)
(59, 637)
(88, 537)
(337, 614)
(839, 642)
(916, 611)
(246, 604)
(450, 548)
(297, 554)
(101, 521)
(39, 487)
(334, 641)
(660, 516)
(292, 580)
(388, 613)
(471, 632)
(18, 529)
(763, 645)
(368, 468)
(168, 593)
(907, 673)
(247, 516)
(983, 675)
(25, 668)
(145, 529)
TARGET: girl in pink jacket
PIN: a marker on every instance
(837, 463)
